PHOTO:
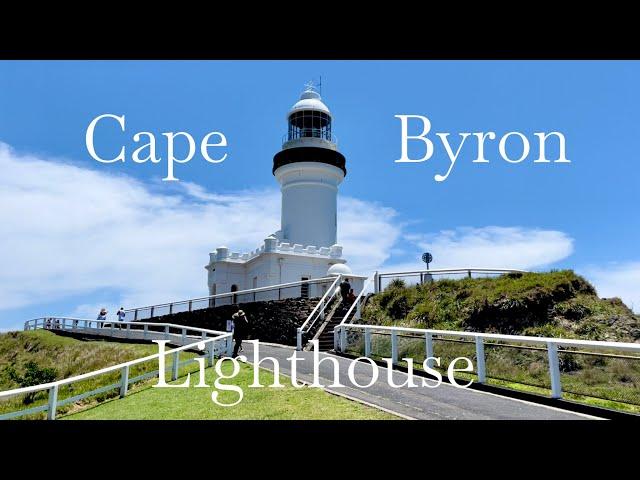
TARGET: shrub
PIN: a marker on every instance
(33, 375)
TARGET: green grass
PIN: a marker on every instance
(69, 357)
(555, 304)
(267, 403)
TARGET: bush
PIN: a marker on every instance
(34, 375)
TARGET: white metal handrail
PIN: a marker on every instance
(378, 276)
(454, 270)
(207, 343)
(321, 305)
(356, 302)
(552, 344)
(235, 294)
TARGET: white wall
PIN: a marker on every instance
(309, 202)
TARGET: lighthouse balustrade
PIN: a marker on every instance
(311, 288)
(416, 277)
(578, 370)
(208, 344)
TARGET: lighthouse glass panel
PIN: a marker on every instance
(309, 123)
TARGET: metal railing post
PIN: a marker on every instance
(135, 315)
(469, 273)
(170, 308)
(480, 360)
(211, 353)
(146, 331)
(53, 403)
(128, 329)
(229, 345)
(124, 380)
(336, 336)
(151, 313)
(343, 339)
(190, 305)
(298, 339)
(375, 282)
(176, 366)
(112, 328)
(166, 332)
(554, 370)
(184, 336)
(394, 347)
(367, 342)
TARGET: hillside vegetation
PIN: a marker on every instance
(555, 304)
(62, 357)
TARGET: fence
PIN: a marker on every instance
(305, 288)
(212, 342)
(381, 280)
(604, 370)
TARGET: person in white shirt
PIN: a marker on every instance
(121, 315)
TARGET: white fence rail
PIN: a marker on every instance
(212, 342)
(341, 343)
(303, 288)
(422, 276)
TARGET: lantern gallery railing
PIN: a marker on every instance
(382, 279)
(583, 368)
(213, 344)
(303, 288)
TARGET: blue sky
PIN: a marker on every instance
(580, 215)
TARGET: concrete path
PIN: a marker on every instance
(445, 402)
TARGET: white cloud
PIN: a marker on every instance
(69, 230)
(617, 280)
(492, 247)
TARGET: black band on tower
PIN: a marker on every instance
(309, 154)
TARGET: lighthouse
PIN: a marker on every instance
(309, 169)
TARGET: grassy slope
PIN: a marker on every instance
(558, 304)
(69, 357)
(267, 403)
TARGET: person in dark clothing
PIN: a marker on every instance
(352, 297)
(240, 330)
(345, 287)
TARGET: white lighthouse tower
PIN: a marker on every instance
(309, 169)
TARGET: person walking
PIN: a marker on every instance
(345, 287)
(240, 330)
(351, 297)
(121, 316)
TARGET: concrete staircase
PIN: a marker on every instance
(324, 335)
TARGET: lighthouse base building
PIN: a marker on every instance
(309, 169)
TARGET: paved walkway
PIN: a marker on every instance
(445, 402)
